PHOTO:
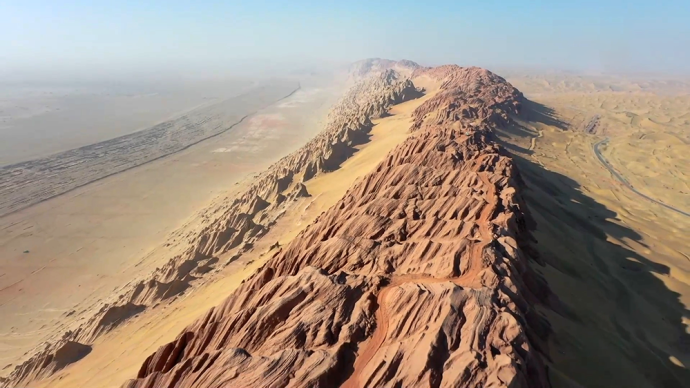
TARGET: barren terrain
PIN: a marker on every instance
(71, 251)
(440, 228)
(28, 183)
(136, 338)
(417, 276)
(619, 263)
(39, 119)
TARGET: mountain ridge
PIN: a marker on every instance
(230, 227)
(440, 224)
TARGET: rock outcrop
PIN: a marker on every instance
(471, 95)
(366, 67)
(50, 360)
(417, 277)
(234, 224)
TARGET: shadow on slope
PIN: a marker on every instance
(534, 111)
(616, 324)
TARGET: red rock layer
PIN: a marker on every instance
(234, 224)
(417, 277)
(471, 95)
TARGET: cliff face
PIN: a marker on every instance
(230, 227)
(417, 277)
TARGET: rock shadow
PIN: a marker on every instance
(534, 111)
(615, 322)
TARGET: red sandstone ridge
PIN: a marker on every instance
(231, 227)
(417, 277)
(471, 95)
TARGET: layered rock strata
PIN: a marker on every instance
(417, 277)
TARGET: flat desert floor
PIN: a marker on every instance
(30, 182)
(69, 251)
(42, 119)
(618, 261)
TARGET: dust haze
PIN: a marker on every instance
(363, 194)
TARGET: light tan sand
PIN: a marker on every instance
(84, 244)
(28, 183)
(117, 355)
(619, 263)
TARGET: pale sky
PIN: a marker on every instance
(94, 37)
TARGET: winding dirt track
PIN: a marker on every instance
(373, 345)
(625, 183)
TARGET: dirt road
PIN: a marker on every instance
(627, 184)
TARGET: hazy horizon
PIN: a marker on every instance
(82, 40)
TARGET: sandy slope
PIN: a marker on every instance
(648, 123)
(84, 244)
(620, 264)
